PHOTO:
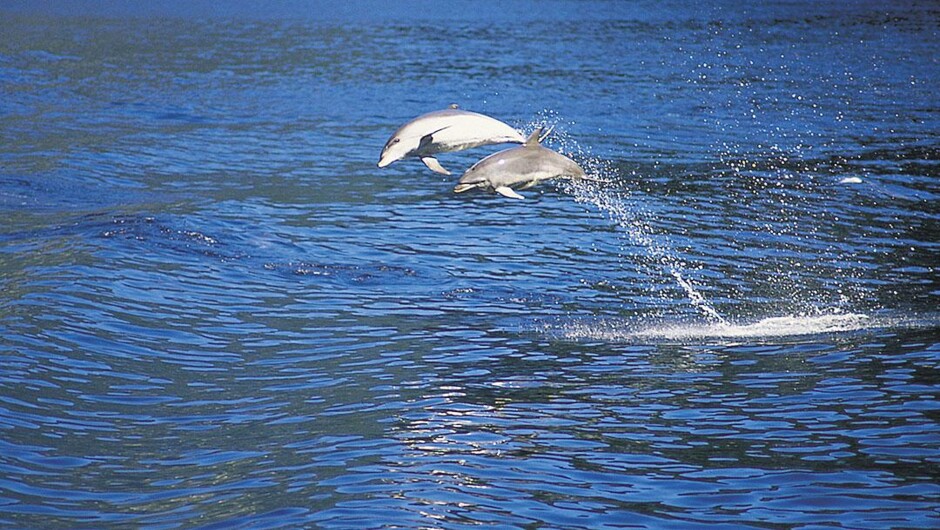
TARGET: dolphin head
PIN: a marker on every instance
(410, 139)
(396, 148)
(478, 176)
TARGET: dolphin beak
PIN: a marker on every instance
(384, 161)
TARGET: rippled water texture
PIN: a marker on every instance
(217, 312)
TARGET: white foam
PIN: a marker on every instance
(784, 326)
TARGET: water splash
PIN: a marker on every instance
(768, 328)
(810, 309)
(617, 205)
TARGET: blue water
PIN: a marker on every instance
(217, 312)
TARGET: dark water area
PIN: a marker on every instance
(217, 312)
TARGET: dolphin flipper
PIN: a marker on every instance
(434, 165)
(506, 191)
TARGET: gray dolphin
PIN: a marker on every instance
(519, 167)
(444, 131)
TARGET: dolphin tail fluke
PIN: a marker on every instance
(506, 191)
(534, 138)
(434, 165)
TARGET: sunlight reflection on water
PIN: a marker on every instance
(216, 311)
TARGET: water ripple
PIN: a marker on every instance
(216, 311)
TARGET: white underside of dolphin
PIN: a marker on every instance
(445, 131)
(519, 168)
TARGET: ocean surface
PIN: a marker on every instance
(217, 312)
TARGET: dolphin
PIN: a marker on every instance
(520, 167)
(444, 131)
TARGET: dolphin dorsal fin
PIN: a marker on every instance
(534, 138)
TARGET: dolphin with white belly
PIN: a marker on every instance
(444, 131)
(519, 167)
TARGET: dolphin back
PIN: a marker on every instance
(471, 129)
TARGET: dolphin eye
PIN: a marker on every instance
(396, 140)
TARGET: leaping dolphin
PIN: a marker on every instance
(519, 167)
(444, 131)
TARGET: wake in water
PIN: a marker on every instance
(617, 205)
(775, 327)
(792, 326)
